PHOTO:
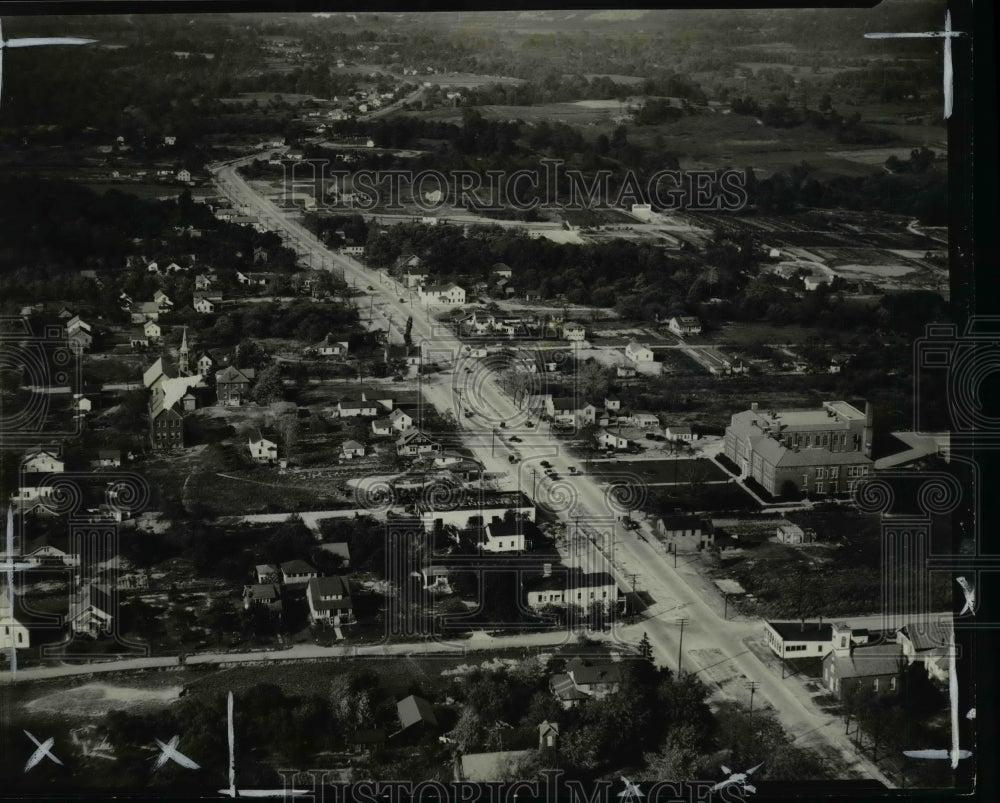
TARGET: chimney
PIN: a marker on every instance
(802, 625)
(869, 426)
(753, 406)
(546, 570)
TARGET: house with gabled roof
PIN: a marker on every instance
(441, 294)
(849, 666)
(400, 421)
(684, 325)
(42, 461)
(232, 385)
(350, 449)
(414, 442)
(91, 611)
(571, 587)
(638, 353)
(297, 572)
(328, 347)
(415, 711)
(329, 600)
(267, 595)
(144, 310)
(261, 449)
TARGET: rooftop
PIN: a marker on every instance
(798, 631)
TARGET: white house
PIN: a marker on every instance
(609, 440)
(261, 449)
(685, 533)
(574, 331)
(382, 426)
(205, 304)
(441, 294)
(350, 449)
(684, 325)
(328, 347)
(413, 443)
(297, 572)
(571, 587)
(42, 461)
(184, 175)
(151, 329)
(13, 633)
(636, 352)
(676, 432)
(400, 421)
(352, 409)
(503, 536)
(162, 300)
(788, 533)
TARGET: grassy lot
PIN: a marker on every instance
(838, 575)
(663, 471)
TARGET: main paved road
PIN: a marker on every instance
(579, 499)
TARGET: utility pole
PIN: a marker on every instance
(631, 608)
(752, 685)
(680, 646)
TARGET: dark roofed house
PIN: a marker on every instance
(799, 639)
(267, 595)
(232, 385)
(877, 665)
(415, 710)
(329, 600)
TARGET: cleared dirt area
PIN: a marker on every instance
(96, 699)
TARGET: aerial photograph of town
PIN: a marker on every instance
(564, 404)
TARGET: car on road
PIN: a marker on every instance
(545, 464)
(402, 301)
(629, 524)
(503, 424)
(528, 424)
(572, 469)
(370, 287)
(514, 439)
(513, 459)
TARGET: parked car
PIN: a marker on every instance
(545, 464)
(528, 424)
(572, 469)
(514, 439)
(370, 287)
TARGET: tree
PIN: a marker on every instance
(468, 731)
(407, 335)
(679, 758)
(267, 389)
(646, 651)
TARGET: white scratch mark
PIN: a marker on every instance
(953, 694)
(970, 596)
(43, 750)
(949, 72)
(36, 42)
(169, 752)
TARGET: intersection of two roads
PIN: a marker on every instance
(711, 642)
